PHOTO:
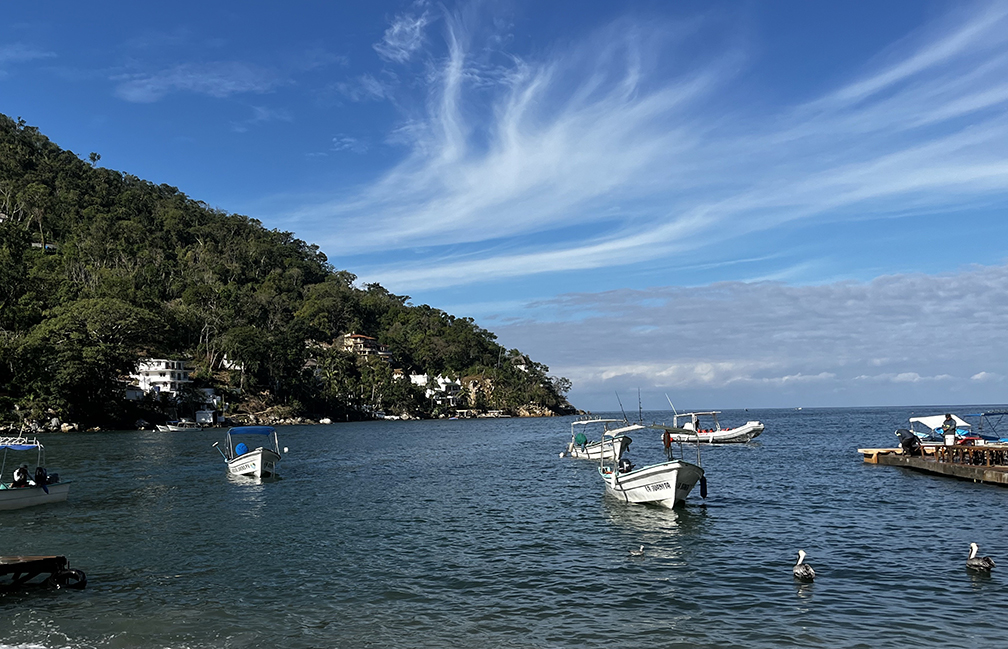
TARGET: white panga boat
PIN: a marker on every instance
(666, 484)
(260, 462)
(581, 448)
(178, 426)
(705, 427)
(43, 489)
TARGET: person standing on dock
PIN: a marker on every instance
(949, 428)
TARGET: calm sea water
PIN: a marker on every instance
(476, 534)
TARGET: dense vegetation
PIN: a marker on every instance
(99, 268)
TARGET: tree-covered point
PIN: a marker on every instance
(99, 268)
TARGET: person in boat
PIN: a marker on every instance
(949, 425)
(20, 476)
(666, 439)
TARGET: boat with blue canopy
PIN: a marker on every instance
(260, 462)
(28, 489)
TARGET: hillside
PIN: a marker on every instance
(99, 269)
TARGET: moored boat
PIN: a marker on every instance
(705, 427)
(616, 430)
(178, 426)
(666, 484)
(25, 491)
(260, 462)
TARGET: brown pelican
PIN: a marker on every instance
(803, 571)
(980, 564)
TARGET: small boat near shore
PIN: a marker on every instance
(178, 426)
(28, 492)
(260, 462)
(704, 427)
(617, 430)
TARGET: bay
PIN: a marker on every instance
(474, 533)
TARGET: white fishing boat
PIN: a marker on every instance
(705, 427)
(667, 483)
(260, 462)
(178, 426)
(582, 448)
(26, 491)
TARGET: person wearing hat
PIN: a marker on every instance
(21, 476)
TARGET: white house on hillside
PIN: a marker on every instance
(443, 390)
(161, 375)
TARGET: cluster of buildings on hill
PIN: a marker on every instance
(168, 378)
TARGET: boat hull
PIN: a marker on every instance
(30, 496)
(260, 463)
(611, 449)
(745, 433)
(666, 484)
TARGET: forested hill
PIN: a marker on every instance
(99, 269)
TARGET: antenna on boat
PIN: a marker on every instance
(670, 404)
(640, 409)
(220, 451)
(621, 408)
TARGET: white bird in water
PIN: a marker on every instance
(980, 564)
(637, 553)
(801, 570)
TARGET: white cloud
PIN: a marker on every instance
(403, 37)
(348, 143)
(261, 115)
(21, 53)
(915, 333)
(593, 157)
(219, 79)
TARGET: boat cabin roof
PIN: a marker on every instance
(585, 422)
(708, 412)
(19, 443)
(252, 430)
(935, 422)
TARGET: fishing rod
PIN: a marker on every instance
(621, 409)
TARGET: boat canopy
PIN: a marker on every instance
(934, 422)
(19, 444)
(252, 430)
(585, 422)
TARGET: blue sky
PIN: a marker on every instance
(739, 204)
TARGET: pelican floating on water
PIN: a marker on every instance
(801, 570)
(981, 564)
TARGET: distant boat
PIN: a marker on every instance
(179, 426)
(42, 490)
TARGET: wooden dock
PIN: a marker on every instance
(23, 569)
(988, 463)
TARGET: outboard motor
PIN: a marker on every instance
(625, 465)
(910, 443)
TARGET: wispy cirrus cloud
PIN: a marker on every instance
(403, 38)
(22, 53)
(594, 156)
(217, 79)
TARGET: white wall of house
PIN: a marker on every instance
(161, 375)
